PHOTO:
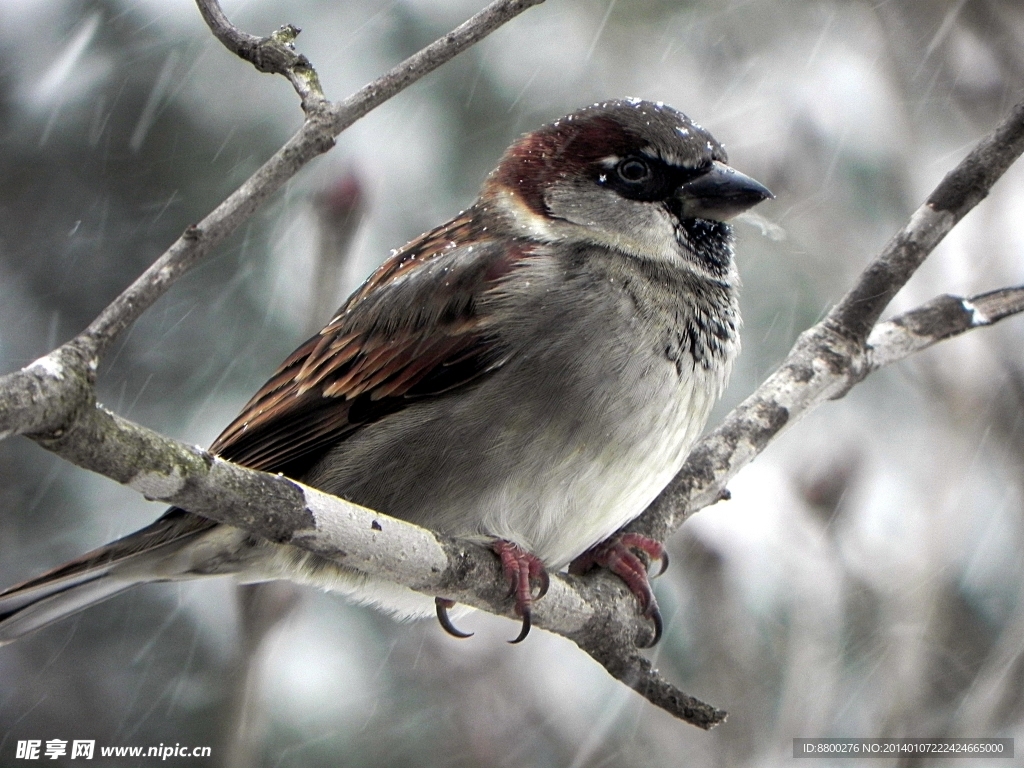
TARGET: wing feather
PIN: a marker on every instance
(412, 331)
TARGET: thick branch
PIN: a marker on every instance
(598, 613)
(51, 392)
(53, 398)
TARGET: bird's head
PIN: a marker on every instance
(635, 176)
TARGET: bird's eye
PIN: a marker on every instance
(633, 170)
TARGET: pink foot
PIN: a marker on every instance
(521, 568)
(617, 555)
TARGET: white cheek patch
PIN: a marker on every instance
(652, 238)
(526, 221)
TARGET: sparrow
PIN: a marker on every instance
(530, 375)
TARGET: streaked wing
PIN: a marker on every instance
(412, 331)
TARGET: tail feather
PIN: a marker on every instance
(25, 611)
(95, 576)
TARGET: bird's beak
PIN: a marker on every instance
(720, 194)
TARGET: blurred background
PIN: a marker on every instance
(864, 580)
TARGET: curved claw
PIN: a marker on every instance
(654, 614)
(525, 630)
(664, 564)
(617, 555)
(655, 550)
(545, 582)
(443, 604)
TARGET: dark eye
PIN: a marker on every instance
(633, 170)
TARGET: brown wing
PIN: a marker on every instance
(413, 330)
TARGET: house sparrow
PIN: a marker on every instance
(530, 374)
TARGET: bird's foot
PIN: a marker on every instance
(522, 569)
(618, 556)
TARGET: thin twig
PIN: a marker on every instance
(312, 139)
(274, 53)
(315, 137)
(46, 396)
(430, 58)
(961, 189)
(597, 612)
(939, 319)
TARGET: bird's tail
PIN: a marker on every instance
(151, 554)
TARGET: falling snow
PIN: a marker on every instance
(865, 578)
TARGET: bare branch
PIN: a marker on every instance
(939, 319)
(274, 54)
(53, 399)
(33, 402)
(637, 672)
(430, 58)
(597, 613)
(962, 189)
(312, 139)
(323, 122)
(48, 394)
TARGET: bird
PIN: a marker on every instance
(528, 375)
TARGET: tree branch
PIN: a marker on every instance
(274, 53)
(427, 60)
(598, 613)
(961, 189)
(323, 122)
(939, 319)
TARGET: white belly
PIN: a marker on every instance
(559, 509)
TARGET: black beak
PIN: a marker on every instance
(720, 194)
